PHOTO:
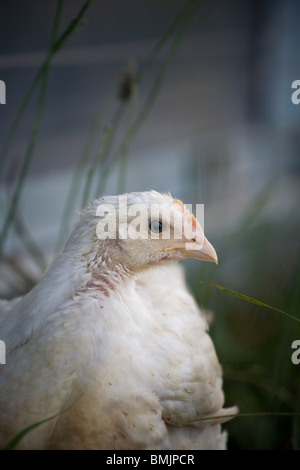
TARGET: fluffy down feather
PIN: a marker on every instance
(112, 343)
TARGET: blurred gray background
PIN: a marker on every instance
(222, 127)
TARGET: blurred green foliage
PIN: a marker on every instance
(260, 258)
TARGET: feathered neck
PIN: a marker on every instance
(71, 274)
(105, 276)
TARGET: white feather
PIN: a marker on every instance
(120, 356)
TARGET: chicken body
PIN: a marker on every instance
(120, 357)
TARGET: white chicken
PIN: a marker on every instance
(111, 342)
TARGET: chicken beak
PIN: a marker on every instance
(205, 252)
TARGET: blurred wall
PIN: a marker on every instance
(223, 125)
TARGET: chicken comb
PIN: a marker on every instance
(186, 211)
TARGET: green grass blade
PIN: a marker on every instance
(251, 300)
(168, 34)
(31, 89)
(25, 278)
(26, 238)
(15, 440)
(55, 46)
(17, 119)
(57, 18)
(159, 80)
(107, 163)
(109, 132)
(107, 136)
(30, 243)
(78, 174)
(123, 152)
(247, 415)
(30, 149)
(184, 20)
(25, 167)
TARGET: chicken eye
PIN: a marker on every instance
(156, 226)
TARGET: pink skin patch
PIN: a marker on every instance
(190, 216)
